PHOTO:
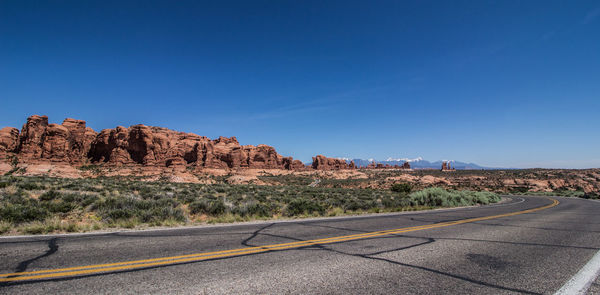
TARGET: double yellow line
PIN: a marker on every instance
(144, 263)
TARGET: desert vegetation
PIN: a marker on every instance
(35, 205)
(564, 182)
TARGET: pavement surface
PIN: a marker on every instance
(529, 245)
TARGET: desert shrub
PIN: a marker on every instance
(401, 188)
(253, 208)
(439, 197)
(30, 185)
(356, 204)
(49, 195)
(216, 207)
(128, 201)
(58, 202)
(186, 196)
(113, 209)
(303, 206)
(159, 214)
(18, 213)
(82, 200)
(5, 227)
(198, 206)
(395, 202)
(58, 206)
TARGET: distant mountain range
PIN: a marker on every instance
(418, 163)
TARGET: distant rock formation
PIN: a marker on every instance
(375, 165)
(406, 165)
(321, 162)
(71, 142)
(372, 165)
(447, 166)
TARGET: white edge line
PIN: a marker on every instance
(582, 281)
(431, 211)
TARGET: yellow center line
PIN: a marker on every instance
(144, 263)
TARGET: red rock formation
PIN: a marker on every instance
(73, 143)
(32, 137)
(446, 166)
(321, 162)
(291, 164)
(406, 165)
(9, 141)
(79, 138)
(264, 156)
(156, 146)
(67, 143)
(55, 144)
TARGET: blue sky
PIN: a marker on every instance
(499, 83)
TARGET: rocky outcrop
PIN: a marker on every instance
(79, 138)
(32, 137)
(155, 146)
(39, 140)
(447, 166)
(55, 143)
(67, 142)
(73, 143)
(291, 164)
(9, 141)
(321, 162)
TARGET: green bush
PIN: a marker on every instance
(49, 195)
(58, 206)
(254, 208)
(216, 207)
(401, 188)
(113, 209)
(198, 206)
(30, 186)
(18, 213)
(439, 197)
(304, 206)
(355, 204)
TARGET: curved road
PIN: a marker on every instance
(530, 245)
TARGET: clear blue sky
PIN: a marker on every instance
(499, 83)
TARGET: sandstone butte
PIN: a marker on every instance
(75, 144)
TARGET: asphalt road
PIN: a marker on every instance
(477, 250)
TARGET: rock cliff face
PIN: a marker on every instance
(155, 146)
(9, 140)
(67, 142)
(321, 162)
(71, 142)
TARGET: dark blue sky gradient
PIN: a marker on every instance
(499, 83)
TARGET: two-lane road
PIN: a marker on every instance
(531, 245)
